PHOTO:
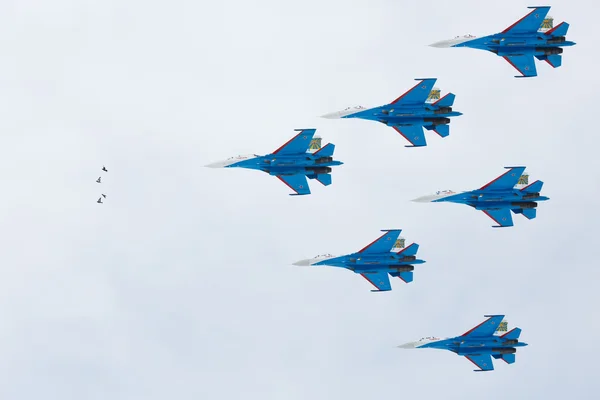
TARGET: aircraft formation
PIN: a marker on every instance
(418, 110)
(99, 180)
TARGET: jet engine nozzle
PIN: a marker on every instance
(548, 51)
(524, 205)
(501, 350)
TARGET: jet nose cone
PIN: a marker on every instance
(442, 44)
(302, 263)
(410, 345)
(333, 115)
(422, 199)
(218, 164)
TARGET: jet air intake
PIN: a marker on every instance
(523, 204)
(500, 350)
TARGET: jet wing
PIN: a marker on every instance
(379, 279)
(382, 244)
(507, 180)
(298, 144)
(417, 95)
(486, 328)
(483, 361)
(296, 182)
(500, 216)
(525, 64)
(529, 23)
(413, 133)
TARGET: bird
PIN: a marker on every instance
(104, 169)
(98, 180)
(99, 200)
(103, 195)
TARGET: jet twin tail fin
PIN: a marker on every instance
(559, 30)
(534, 187)
(512, 334)
(325, 151)
(410, 250)
(446, 101)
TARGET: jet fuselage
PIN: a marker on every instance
(485, 200)
(289, 165)
(515, 44)
(404, 115)
(368, 262)
(462, 345)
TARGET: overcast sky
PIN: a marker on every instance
(181, 285)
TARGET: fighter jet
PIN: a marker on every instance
(292, 163)
(532, 35)
(479, 344)
(376, 262)
(99, 180)
(409, 113)
(510, 191)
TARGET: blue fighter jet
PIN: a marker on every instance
(409, 113)
(479, 344)
(532, 35)
(376, 262)
(292, 163)
(511, 191)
